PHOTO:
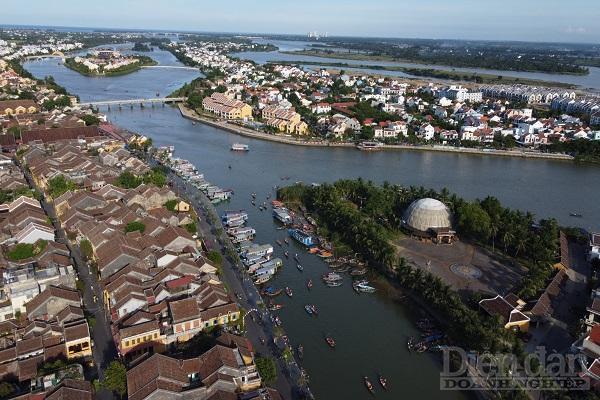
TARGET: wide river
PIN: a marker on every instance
(371, 330)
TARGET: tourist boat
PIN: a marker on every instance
(282, 215)
(324, 254)
(301, 237)
(332, 277)
(309, 284)
(369, 146)
(330, 341)
(258, 250)
(288, 291)
(383, 381)
(308, 309)
(364, 287)
(334, 284)
(239, 147)
(275, 307)
(271, 291)
(358, 272)
(300, 267)
(263, 279)
(300, 351)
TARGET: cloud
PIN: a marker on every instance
(578, 30)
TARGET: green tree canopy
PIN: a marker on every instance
(135, 226)
(267, 369)
(115, 378)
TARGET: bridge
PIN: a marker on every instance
(170, 67)
(56, 54)
(132, 102)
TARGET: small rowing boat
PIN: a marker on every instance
(308, 309)
(286, 241)
(368, 384)
(309, 284)
(275, 307)
(314, 309)
(300, 267)
(330, 341)
(300, 351)
(296, 257)
(383, 382)
(279, 242)
(271, 291)
(288, 291)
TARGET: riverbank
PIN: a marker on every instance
(440, 74)
(192, 115)
(370, 57)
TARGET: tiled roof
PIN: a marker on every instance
(183, 310)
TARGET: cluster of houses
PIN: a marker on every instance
(105, 60)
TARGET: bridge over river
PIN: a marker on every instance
(132, 102)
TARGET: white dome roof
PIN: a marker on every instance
(425, 214)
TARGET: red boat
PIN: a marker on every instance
(309, 284)
(288, 291)
(368, 384)
(330, 341)
(383, 382)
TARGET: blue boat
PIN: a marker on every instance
(302, 237)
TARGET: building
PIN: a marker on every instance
(18, 107)
(429, 218)
(285, 120)
(508, 309)
(227, 108)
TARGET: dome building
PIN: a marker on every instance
(429, 218)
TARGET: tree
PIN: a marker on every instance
(135, 226)
(115, 378)
(86, 249)
(90, 119)
(59, 185)
(15, 131)
(267, 369)
(474, 222)
(6, 390)
(215, 257)
(171, 205)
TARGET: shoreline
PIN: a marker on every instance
(192, 115)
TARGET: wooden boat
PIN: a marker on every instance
(309, 284)
(286, 241)
(279, 242)
(286, 254)
(358, 271)
(296, 257)
(576, 215)
(300, 351)
(334, 284)
(300, 267)
(271, 291)
(368, 384)
(288, 291)
(383, 382)
(314, 309)
(330, 341)
(325, 254)
(308, 309)
(275, 307)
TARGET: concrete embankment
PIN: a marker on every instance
(192, 115)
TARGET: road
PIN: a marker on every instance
(258, 324)
(103, 351)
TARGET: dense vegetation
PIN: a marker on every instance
(267, 369)
(123, 70)
(22, 251)
(140, 46)
(135, 226)
(6, 196)
(365, 217)
(155, 177)
(583, 149)
(59, 185)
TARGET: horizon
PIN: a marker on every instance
(409, 19)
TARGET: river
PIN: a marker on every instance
(370, 330)
(590, 81)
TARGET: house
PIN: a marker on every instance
(594, 249)
(227, 108)
(321, 108)
(426, 132)
(51, 301)
(507, 309)
(175, 239)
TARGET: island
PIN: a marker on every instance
(139, 46)
(108, 62)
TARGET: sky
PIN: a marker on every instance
(525, 20)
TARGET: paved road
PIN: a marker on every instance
(258, 324)
(104, 350)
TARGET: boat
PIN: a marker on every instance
(383, 381)
(296, 257)
(275, 307)
(288, 291)
(368, 384)
(302, 237)
(314, 310)
(279, 242)
(286, 241)
(282, 215)
(239, 147)
(300, 351)
(576, 215)
(271, 291)
(309, 284)
(332, 277)
(358, 271)
(300, 267)
(369, 146)
(286, 254)
(308, 309)
(263, 279)
(330, 341)
(334, 284)
(277, 321)
(363, 287)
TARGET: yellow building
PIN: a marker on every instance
(17, 107)
(284, 120)
(77, 340)
(182, 206)
(227, 108)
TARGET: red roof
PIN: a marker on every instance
(183, 281)
(595, 334)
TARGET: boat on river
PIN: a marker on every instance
(575, 214)
(300, 351)
(368, 384)
(334, 284)
(263, 279)
(300, 267)
(271, 291)
(363, 287)
(288, 291)
(302, 237)
(275, 307)
(286, 254)
(369, 146)
(314, 310)
(332, 277)
(330, 341)
(240, 147)
(308, 309)
(383, 381)
(358, 271)
(309, 284)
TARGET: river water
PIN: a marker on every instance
(370, 330)
(590, 81)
